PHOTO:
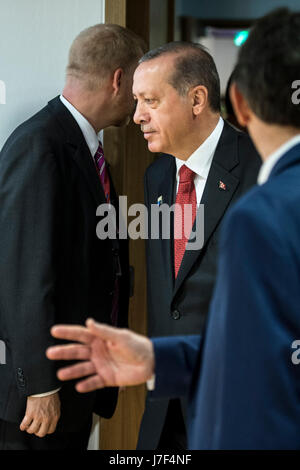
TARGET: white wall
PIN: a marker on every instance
(224, 53)
(35, 36)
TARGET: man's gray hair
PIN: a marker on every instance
(99, 50)
(193, 66)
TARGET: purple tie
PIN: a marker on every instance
(104, 178)
(102, 171)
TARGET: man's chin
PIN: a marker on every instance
(153, 148)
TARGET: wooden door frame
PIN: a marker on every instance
(127, 153)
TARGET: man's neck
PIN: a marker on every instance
(269, 137)
(200, 134)
(88, 105)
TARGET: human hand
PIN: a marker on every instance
(42, 415)
(112, 356)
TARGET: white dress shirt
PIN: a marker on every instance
(92, 142)
(87, 129)
(200, 161)
(271, 161)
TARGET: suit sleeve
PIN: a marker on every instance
(248, 389)
(175, 359)
(30, 223)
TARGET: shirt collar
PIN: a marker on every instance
(271, 161)
(88, 131)
(200, 160)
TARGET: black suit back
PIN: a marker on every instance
(53, 267)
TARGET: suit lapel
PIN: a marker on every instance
(78, 148)
(113, 195)
(82, 157)
(214, 198)
(166, 193)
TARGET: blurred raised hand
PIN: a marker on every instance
(108, 356)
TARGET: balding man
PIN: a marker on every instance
(53, 267)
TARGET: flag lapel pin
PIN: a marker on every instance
(159, 201)
(222, 186)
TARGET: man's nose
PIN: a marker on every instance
(140, 115)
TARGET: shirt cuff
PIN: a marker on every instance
(40, 395)
(151, 383)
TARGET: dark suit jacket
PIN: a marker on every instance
(245, 393)
(53, 267)
(181, 306)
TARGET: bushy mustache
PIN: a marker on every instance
(145, 130)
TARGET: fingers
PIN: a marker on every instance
(76, 371)
(105, 332)
(43, 430)
(26, 422)
(89, 385)
(69, 351)
(34, 427)
(40, 429)
(74, 333)
(83, 335)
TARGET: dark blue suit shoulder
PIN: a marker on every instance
(258, 206)
(160, 165)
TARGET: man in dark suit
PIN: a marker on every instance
(53, 266)
(242, 378)
(178, 108)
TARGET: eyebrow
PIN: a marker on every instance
(141, 94)
(148, 95)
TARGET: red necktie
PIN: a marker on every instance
(183, 224)
(102, 171)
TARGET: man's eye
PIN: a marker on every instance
(149, 100)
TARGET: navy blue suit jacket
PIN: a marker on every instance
(244, 387)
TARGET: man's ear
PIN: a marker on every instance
(117, 79)
(200, 98)
(240, 106)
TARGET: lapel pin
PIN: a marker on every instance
(222, 186)
(159, 201)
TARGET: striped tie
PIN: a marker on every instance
(102, 171)
(104, 178)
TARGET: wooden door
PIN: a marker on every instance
(128, 155)
(126, 150)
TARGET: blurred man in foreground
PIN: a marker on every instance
(242, 378)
